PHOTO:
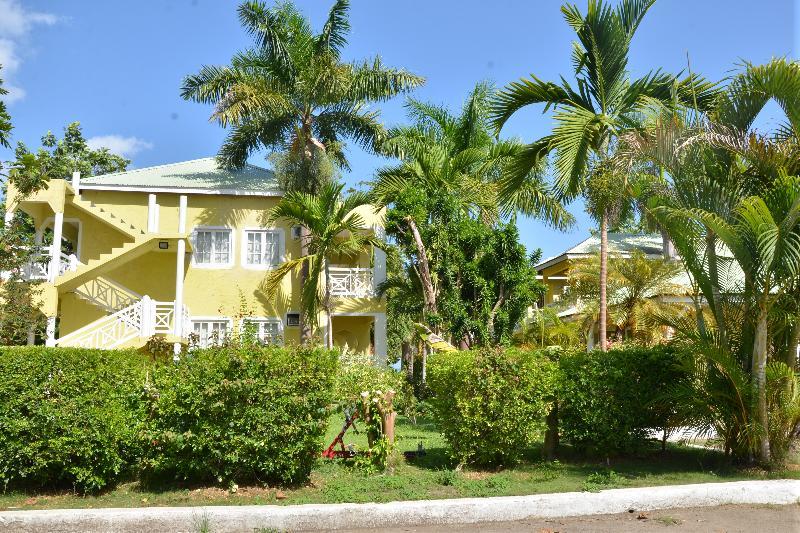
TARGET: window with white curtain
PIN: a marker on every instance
(262, 248)
(212, 247)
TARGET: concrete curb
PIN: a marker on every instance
(410, 513)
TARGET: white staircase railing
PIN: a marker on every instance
(144, 318)
(107, 294)
(352, 282)
(40, 263)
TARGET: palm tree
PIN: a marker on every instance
(293, 93)
(336, 230)
(457, 156)
(590, 119)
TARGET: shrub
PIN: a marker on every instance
(239, 414)
(609, 401)
(490, 404)
(68, 417)
(358, 373)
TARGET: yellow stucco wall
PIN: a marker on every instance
(353, 332)
(233, 292)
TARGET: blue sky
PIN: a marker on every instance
(117, 66)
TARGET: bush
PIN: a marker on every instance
(490, 404)
(239, 414)
(68, 417)
(358, 373)
(609, 401)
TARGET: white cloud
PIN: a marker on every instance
(117, 144)
(15, 24)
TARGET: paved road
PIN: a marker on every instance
(726, 518)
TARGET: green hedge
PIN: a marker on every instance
(608, 401)
(68, 417)
(239, 415)
(490, 404)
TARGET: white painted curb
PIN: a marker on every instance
(428, 512)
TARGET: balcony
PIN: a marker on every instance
(38, 266)
(352, 282)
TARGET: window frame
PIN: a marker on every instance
(200, 319)
(231, 246)
(264, 320)
(281, 248)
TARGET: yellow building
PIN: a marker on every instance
(181, 249)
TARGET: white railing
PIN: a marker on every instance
(142, 319)
(110, 331)
(40, 262)
(107, 294)
(352, 282)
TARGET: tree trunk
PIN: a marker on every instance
(305, 324)
(603, 279)
(760, 381)
(428, 290)
(501, 299)
(408, 360)
(329, 329)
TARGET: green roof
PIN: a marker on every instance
(197, 174)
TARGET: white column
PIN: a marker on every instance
(9, 216)
(55, 250)
(180, 261)
(380, 338)
(152, 214)
(51, 331)
(76, 182)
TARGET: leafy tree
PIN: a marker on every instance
(589, 119)
(293, 93)
(446, 184)
(336, 230)
(29, 173)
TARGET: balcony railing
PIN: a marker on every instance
(352, 282)
(38, 266)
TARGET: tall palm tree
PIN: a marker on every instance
(590, 118)
(336, 230)
(457, 156)
(292, 92)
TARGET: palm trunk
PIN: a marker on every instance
(329, 329)
(713, 273)
(760, 380)
(603, 279)
(305, 324)
(408, 360)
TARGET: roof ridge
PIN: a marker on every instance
(163, 165)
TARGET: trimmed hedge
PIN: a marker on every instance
(239, 415)
(608, 401)
(68, 417)
(86, 419)
(490, 404)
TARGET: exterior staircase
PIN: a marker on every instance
(107, 294)
(84, 272)
(108, 217)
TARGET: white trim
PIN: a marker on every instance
(43, 226)
(264, 319)
(182, 207)
(227, 320)
(152, 213)
(180, 190)
(281, 248)
(231, 255)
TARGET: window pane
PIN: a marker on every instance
(203, 247)
(253, 248)
(222, 241)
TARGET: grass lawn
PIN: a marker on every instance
(429, 477)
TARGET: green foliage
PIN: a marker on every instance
(359, 373)
(608, 401)
(603, 479)
(68, 417)
(490, 404)
(238, 414)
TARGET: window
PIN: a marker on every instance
(266, 330)
(210, 332)
(212, 247)
(262, 248)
